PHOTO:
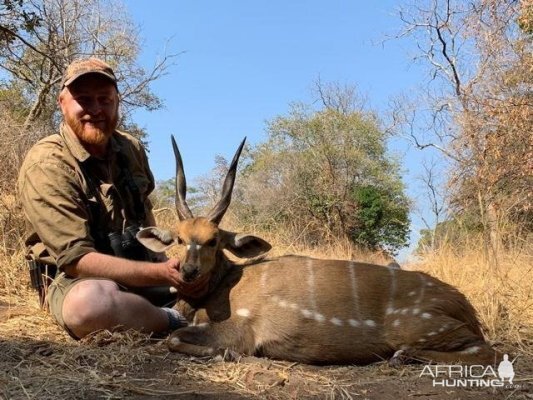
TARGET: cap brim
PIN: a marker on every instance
(77, 76)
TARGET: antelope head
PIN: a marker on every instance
(201, 237)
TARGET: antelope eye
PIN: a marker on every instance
(211, 243)
(179, 240)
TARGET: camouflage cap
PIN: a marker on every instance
(85, 66)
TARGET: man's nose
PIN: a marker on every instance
(94, 107)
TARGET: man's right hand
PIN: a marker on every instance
(194, 289)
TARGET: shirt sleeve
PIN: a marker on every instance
(53, 201)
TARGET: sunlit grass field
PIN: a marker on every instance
(500, 288)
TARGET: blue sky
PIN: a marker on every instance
(243, 62)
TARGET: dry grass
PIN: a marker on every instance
(500, 289)
(39, 361)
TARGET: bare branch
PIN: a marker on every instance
(25, 42)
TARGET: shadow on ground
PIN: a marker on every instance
(38, 361)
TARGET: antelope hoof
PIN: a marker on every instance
(228, 355)
(399, 358)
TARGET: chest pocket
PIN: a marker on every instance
(114, 207)
(104, 202)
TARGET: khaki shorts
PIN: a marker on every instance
(159, 296)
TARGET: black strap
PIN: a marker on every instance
(138, 205)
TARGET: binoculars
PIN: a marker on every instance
(126, 245)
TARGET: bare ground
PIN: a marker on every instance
(39, 361)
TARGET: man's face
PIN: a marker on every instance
(90, 108)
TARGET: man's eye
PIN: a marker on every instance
(82, 99)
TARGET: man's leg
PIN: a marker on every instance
(83, 306)
(92, 305)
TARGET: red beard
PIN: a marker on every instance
(93, 136)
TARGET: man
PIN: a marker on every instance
(85, 192)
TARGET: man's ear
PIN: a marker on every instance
(60, 99)
(244, 246)
(156, 239)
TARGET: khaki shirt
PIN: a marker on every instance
(64, 210)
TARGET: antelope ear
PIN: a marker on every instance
(244, 246)
(156, 239)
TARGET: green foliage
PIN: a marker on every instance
(383, 218)
(13, 103)
(327, 173)
(164, 195)
(452, 232)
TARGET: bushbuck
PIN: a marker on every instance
(309, 310)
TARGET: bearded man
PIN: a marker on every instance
(84, 192)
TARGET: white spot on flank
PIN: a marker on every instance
(405, 311)
(422, 288)
(275, 299)
(416, 311)
(355, 295)
(426, 315)
(390, 310)
(430, 284)
(306, 313)
(319, 317)
(294, 306)
(370, 323)
(471, 350)
(421, 340)
(442, 329)
(336, 321)
(243, 312)
(396, 323)
(354, 323)
(393, 287)
(412, 293)
(311, 283)
(432, 333)
(282, 304)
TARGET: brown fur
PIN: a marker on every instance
(321, 311)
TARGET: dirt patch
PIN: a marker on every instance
(39, 361)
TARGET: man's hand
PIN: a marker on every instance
(194, 289)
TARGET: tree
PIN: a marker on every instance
(327, 173)
(39, 38)
(476, 105)
(70, 29)
(14, 19)
(437, 206)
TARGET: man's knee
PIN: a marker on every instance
(89, 305)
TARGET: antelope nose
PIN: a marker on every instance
(189, 272)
